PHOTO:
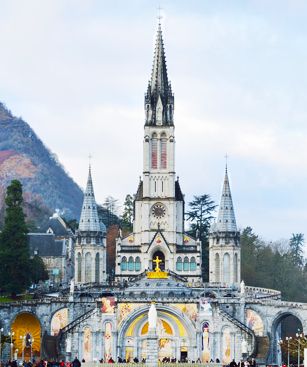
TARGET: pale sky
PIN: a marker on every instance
(77, 72)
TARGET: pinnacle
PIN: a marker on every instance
(226, 221)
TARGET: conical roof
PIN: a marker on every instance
(89, 220)
(159, 99)
(226, 221)
(159, 79)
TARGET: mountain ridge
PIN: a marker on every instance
(46, 184)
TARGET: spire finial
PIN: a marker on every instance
(159, 17)
(226, 162)
(90, 160)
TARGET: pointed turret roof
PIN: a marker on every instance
(89, 220)
(226, 221)
(159, 78)
(159, 92)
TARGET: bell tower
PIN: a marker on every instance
(158, 226)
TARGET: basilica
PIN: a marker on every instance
(158, 262)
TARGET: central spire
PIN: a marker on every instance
(159, 99)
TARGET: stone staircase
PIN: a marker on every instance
(251, 337)
(76, 322)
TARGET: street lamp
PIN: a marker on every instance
(1, 331)
(11, 334)
(280, 342)
(288, 338)
(299, 335)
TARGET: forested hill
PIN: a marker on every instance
(46, 185)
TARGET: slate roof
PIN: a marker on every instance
(46, 245)
(226, 221)
(89, 220)
(57, 227)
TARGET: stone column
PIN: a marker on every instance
(152, 348)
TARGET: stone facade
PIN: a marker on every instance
(92, 319)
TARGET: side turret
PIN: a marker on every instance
(90, 250)
(224, 243)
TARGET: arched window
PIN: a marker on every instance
(186, 264)
(88, 267)
(123, 264)
(97, 268)
(179, 264)
(137, 264)
(154, 152)
(130, 264)
(193, 264)
(235, 268)
(79, 267)
(226, 268)
(163, 153)
(217, 268)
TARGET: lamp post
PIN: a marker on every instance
(280, 342)
(299, 335)
(288, 341)
(1, 331)
(11, 334)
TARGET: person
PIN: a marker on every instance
(253, 362)
(233, 363)
(217, 360)
(76, 362)
(241, 363)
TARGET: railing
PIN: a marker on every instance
(77, 321)
(243, 327)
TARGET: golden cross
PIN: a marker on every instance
(157, 261)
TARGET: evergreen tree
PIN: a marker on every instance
(127, 217)
(296, 249)
(38, 270)
(200, 217)
(15, 274)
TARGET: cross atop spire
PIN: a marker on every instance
(226, 221)
(159, 99)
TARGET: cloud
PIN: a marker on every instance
(77, 72)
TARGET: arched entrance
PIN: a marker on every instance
(161, 257)
(175, 335)
(27, 336)
(285, 325)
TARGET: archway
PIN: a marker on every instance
(161, 257)
(175, 333)
(286, 324)
(27, 336)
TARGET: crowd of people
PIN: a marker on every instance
(77, 363)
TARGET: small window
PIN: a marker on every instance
(131, 264)
(123, 264)
(179, 264)
(186, 264)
